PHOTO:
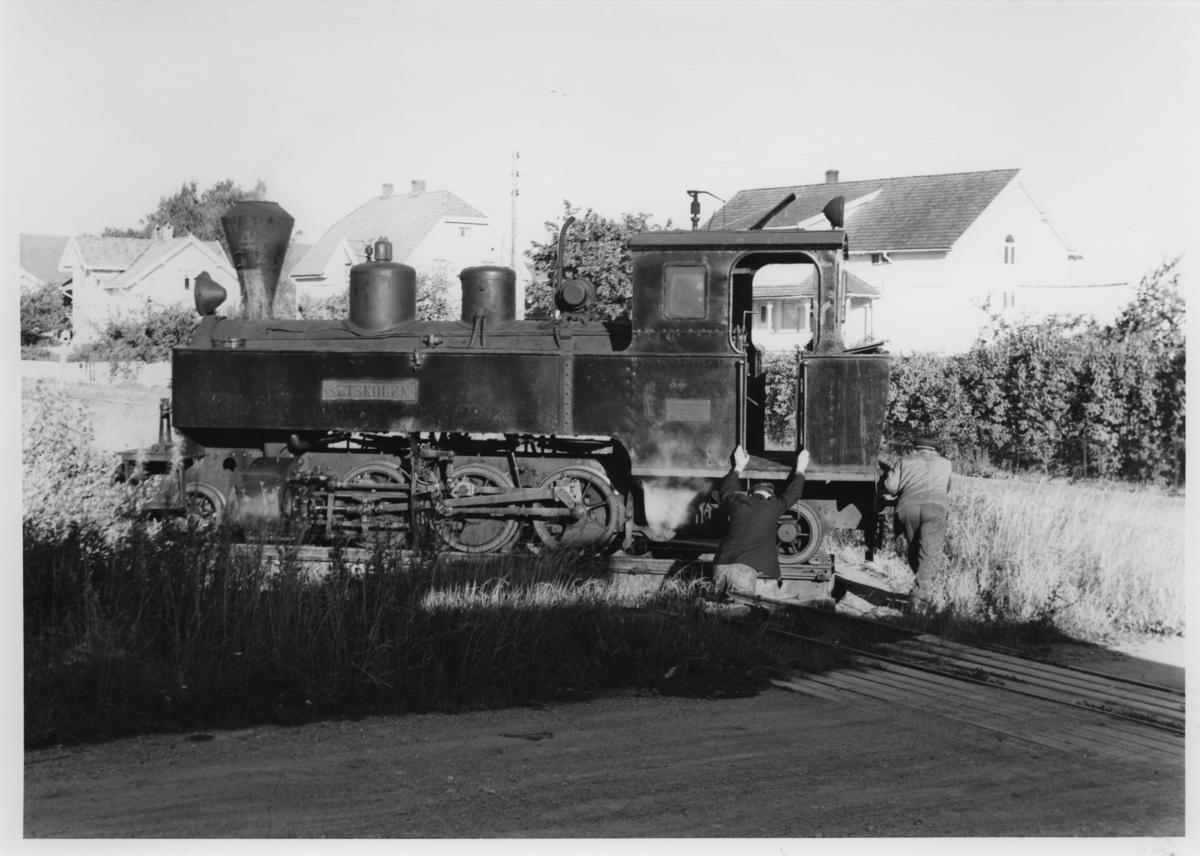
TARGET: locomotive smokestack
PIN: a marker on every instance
(258, 234)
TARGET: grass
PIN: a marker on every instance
(1042, 560)
(172, 630)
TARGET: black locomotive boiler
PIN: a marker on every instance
(564, 430)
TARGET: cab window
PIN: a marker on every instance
(686, 292)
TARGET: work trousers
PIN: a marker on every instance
(925, 528)
(736, 577)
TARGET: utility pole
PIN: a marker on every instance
(512, 250)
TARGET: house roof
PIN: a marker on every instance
(40, 255)
(855, 287)
(156, 252)
(295, 252)
(405, 220)
(919, 212)
(110, 253)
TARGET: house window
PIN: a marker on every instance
(880, 259)
(685, 291)
(795, 316)
(1010, 251)
(464, 231)
(1010, 299)
(791, 312)
(187, 283)
(763, 320)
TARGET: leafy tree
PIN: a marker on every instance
(1158, 308)
(43, 315)
(190, 211)
(595, 248)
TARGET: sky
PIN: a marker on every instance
(619, 107)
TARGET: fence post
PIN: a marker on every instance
(1085, 445)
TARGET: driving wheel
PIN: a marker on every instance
(597, 511)
(799, 534)
(476, 533)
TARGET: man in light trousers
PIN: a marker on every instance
(920, 483)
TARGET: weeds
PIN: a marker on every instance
(1035, 562)
(177, 629)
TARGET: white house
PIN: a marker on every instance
(937, 249)
(111, 276)
(433, 231)
(783, 298)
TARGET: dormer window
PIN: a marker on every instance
(880, 259)
(1010, 251)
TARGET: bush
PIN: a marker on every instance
(782, 370)
(67, 486)
(32, 352)
(1062, 396)
(146, 336)
(43, 315)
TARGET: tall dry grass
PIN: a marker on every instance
(1087, 561)
(173, 628)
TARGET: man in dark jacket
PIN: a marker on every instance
(749, 549)
(920, 483)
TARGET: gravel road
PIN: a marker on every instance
(777, 765)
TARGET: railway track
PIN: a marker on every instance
(1060, 707)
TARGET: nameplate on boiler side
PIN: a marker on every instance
(369, 390)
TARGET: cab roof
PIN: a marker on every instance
(757, 239)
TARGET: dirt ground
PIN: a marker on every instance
(779, 765)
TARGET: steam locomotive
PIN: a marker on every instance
(565, 430)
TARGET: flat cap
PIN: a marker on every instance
(926, 442)
(757, 486)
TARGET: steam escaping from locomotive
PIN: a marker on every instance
(673, 503)
(258, 235)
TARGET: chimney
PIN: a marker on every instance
(831, 176)
(168, 232)
(387, 192)
(418, 188)
(156, 235)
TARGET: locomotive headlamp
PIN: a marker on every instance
(835, 212)
(208, 295)
(574, 295)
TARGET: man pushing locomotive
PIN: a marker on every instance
(920, 483)
(749, 549)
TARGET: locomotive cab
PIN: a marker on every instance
(711, 351)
